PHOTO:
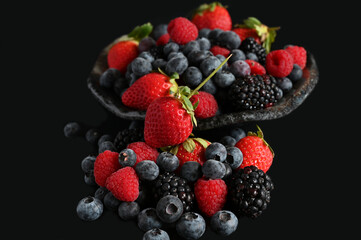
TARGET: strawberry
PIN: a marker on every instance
(252, 27)
(256, 151)
(212, 16)
(148, 88)
(126, 49)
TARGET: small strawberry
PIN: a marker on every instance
(207, 105)
(256, 67)
(256, 151)
(143, 152)
(182, 31)
(252, 27)
(148, 88)
(210, 195)
(124, 184)
(212, 16)
(126, 49)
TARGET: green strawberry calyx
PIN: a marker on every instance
(172, 79)
(189, 145)
(207, 7)
(266, 34)
(138, 33)
(260, 135)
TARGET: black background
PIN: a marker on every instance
(48, 52)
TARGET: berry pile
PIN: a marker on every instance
(160, 174)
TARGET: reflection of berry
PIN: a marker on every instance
(249, 191)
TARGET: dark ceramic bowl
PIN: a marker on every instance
(288, 103)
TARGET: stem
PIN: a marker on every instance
(210, 76)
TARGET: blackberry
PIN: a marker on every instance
(170, 184)
(249, 45)
(254, 92)
(249, 191)
(157, 52)
(126, 136)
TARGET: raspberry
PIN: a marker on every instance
(105, 164)
(279, 63)
(299, 55)
(182, 31)
(124, 184)
(256, 68)
(210, 195)
(207, 106)
(163, 40)
(143, 152)
(217, 50)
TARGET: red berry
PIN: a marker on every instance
(121, 54)
(182, 31)
(207, 106)
(217, 50)
(299, 55)
(143, 152)
(256, 67)
(124, 184)
(163, 40)
(210, 195)
(279, 63)
(105, 164)
(196, 154)
(212, 16)
(244, 33)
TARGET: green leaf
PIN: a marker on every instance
(174, 76)
(206, 7)
(187, 103)
(140, 32)
(174, 150)
(189, 145)
(201, 141)
(251, 22)
(174, 88)
(195, 105)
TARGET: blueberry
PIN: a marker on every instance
(107, 145)
(192, 77)
(127, 158)
(209, 87)
(159, 63)
(209, 64)
(147, 56)
(224, 79)
(147, 170)
(285, 84)
(128, 210)
(237, 133)
(236, 55)
(110, 201)
(120, 84)
(177, 64)
(148, 219)
(108, 77)
(191, 171)
(216, 151)
(89, 178)
(228, 141)
(229, 39)
(159, 30)
(224, 222)
(251, 56)
(105, 137)
(204, 43)
(132, 80)
(229, 171)
(168, 161)
(240, 68)
(170, 47)
(92, 135)
(175, 54)
(190, 47)
(195, 58)
(234, 157)
(146, 44)
(203, 33)
(169, 208)
(296, 73)
(100, 193)
(72, 129)
(140, 66)
(89, 208)
(213, 169)
(191, 225)
(214, 34)
(87, 164)
(156, 234)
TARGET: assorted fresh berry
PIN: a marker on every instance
(158, 173)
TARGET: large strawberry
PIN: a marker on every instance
(212, 16)
(148, 88)
(256, 151)
(125, 50)
(252, 27)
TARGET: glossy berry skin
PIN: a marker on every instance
(191, 225)
(196, 155)
(255, 152)
(244, 33)
(216, 151)
(229, 40)
(190, 47)
(213, 18)
(148, 219)
(106, 145)
(224, 79)
(236, 55)
(87, 164)
(256, 68)
(167, 161)
(207, 106)
(240, 68)
(192, 77)
(176, 65)
(121, 54)
(224, 222)
(279, 63)
(143, 151)
(124, 184)
(147, 170)
(228, 141)
(191, 171)
(296, 73)
(234, 157)
(285, 84)
(166, 123)
(169, 209)
(127, 158)
(128, 210)
(213, 169)
(182, 31)
(156, 234)
(209, 64)
(89, 208)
